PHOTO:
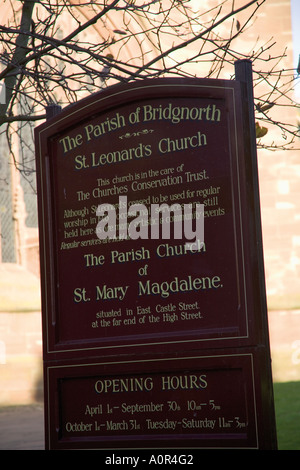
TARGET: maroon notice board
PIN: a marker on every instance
(172, 402)
(163, 142)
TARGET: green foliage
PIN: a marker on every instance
(287, 409)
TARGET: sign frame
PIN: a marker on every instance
(79, 113)
(64, 354)
(251, 434)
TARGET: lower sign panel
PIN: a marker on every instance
(186, 402)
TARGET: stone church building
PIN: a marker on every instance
(279, 177)
(279, 173)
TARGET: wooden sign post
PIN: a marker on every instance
(152, 338)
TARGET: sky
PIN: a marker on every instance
(295, 9)
(295, 4)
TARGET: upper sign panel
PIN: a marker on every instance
(115, 172)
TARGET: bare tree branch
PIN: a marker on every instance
(57, 51)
